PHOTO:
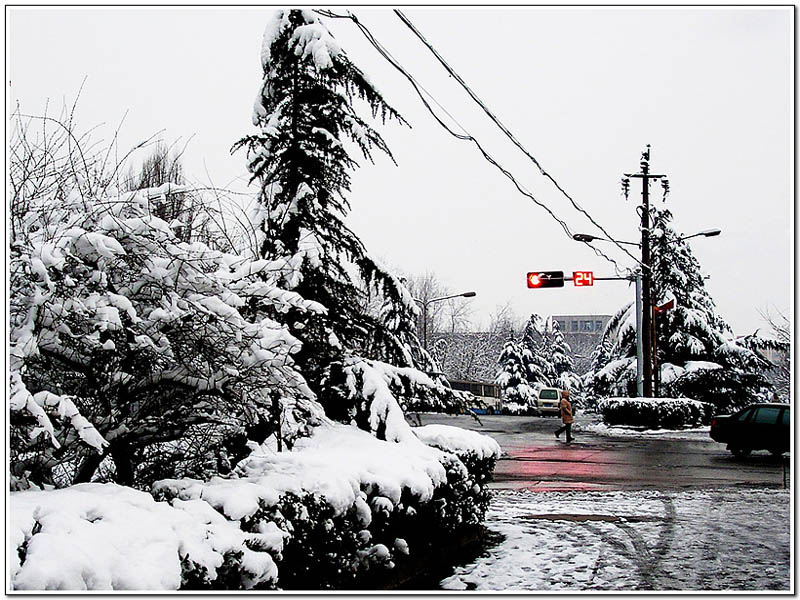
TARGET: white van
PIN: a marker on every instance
(548, 401)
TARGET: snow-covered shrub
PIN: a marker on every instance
(478, 452)
(467, 498)
(127, 344)
(348, 504)
(106, 537)
(656, 413)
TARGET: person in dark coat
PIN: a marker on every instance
(566, 416)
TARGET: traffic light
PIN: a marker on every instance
(546, 279)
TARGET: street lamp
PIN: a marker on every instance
(645, 336)
(425, 303)
(706, 233)
(585, 237)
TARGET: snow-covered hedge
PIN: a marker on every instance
(478, 452)
(655, 413)
(341, 506)
(348, 504)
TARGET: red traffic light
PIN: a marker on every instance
(546, 279)
(581, 278)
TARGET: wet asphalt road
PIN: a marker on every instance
(534, 460)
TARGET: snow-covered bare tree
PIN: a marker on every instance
(474, 355)
(307, 118)
(171, 203)
(424, 288)
(775, 346)
(697, 355)
(127, 345)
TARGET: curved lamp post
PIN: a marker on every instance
(425, 303)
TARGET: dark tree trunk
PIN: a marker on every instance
(122, 454)
(87, 468)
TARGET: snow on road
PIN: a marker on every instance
(699, 434)
(721, 539)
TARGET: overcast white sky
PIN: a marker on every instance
(584, 89)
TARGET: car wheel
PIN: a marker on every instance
(740, 452)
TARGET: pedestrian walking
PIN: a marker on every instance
(566, 416)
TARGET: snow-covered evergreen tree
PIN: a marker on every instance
(306, 115)
(599, 358)
(561, 359)
(697, 355)
(541, 372)
(512, 376)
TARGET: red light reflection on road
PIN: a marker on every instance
(560, 467)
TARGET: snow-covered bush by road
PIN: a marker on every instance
(656, 413)
(459, 441)
(316, 517)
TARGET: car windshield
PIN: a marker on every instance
(548, 394)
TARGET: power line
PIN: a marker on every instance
(504, 129)
(466, 136)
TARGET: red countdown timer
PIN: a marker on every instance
(583, 278)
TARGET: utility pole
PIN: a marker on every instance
(647, 301)
(639, 341)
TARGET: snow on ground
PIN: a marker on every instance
(96, 536)
(716, 539)
(699, 434)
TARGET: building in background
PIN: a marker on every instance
(582, 333)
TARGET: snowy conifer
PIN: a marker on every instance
(697, 355)
(561, 359)
(541, 372)
(306, 115)
(512, 376)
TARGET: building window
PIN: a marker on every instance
(598, 325)
(574, 326)
(587, 326)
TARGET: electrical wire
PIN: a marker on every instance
(505, 130)
(466, 136)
